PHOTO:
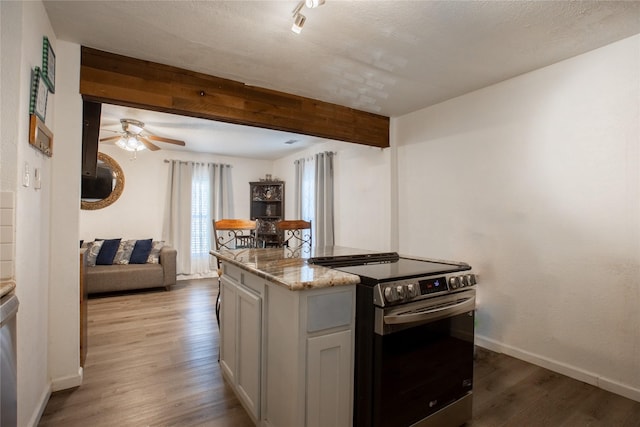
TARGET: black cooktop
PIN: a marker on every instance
(389, 266)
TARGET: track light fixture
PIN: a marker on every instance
(313, 3)
(298, 23)
(298, 18)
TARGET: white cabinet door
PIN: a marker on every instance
(228, 328)
(329, 375)
(249, 340)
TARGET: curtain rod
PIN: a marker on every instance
(197, 163)
(311, 156)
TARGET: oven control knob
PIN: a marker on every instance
(401, 291)
(464, 280)
(390, 294)
(469, 279)
(454, 282)
(413, 290)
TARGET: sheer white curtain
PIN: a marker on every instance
(314, 196)
(222, 195)
(177, 221)
(197, 193)
(323, 219)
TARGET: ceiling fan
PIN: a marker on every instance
(134, 137)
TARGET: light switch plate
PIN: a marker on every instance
(37, 183)
(26, 178)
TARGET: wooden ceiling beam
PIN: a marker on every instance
(116, 79)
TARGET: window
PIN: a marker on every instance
(200, 214)
(307, 191)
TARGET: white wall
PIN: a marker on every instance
(23, 26)
(534, 182)
(139, 211)
(10, 39)
(362, 192)
(64, 308)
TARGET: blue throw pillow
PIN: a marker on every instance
(107, 251)
(140, 252)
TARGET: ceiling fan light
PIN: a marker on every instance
(314, 3)
(298, 23)
(130, 143)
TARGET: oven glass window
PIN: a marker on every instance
(419, 370)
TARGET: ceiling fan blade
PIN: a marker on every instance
(162, 139)
(111, 138)
(148, 144)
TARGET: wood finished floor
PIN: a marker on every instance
(152, 361)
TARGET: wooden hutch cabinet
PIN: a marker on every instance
(267, 207)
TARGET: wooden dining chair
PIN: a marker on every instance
(235, 233)
(295, 235)
(232, 234)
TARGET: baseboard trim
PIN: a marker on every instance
(42, 405)
(68, 382)
(594, 379)
(619, 388)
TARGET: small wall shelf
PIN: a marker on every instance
(40, 137)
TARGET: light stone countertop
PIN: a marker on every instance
(291, 270)
(6, 287)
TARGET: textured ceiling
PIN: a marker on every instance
(385, 57)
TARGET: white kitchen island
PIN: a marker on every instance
(287, 333)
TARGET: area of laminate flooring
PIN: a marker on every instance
(509, 392)
(152, 361)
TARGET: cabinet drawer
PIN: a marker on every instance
(242, 277)
(327, 311)
(253, 282)
(232, 272)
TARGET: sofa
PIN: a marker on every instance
(157, 270)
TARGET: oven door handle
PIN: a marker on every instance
(432, 314)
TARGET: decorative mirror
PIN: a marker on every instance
(105, 188)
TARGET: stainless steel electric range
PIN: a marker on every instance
(414, 340)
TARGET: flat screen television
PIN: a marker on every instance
(100, 187)
(90, 132)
